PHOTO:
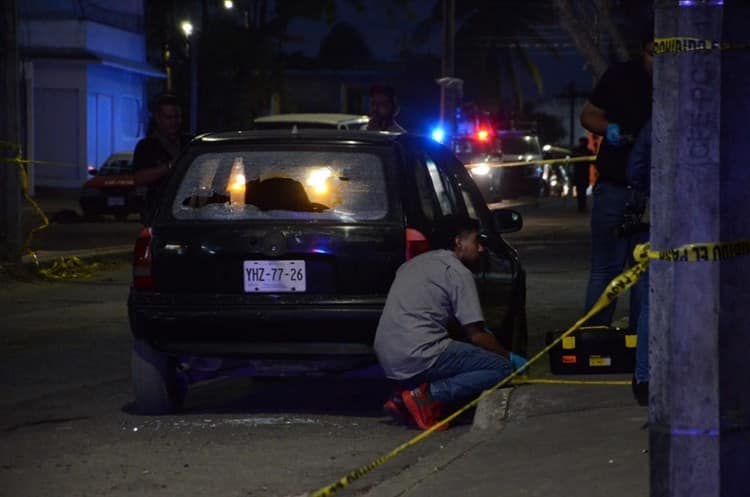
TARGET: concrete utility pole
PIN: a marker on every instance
(447, 102)
(700, 321)
(10, 131)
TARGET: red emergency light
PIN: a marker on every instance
(483, 135)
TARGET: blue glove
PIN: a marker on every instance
(518, 362)
(614, 135)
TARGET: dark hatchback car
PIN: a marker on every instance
(280, 247)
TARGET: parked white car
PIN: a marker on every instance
(313, 121)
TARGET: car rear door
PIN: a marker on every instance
(280, 245)
(496, 278)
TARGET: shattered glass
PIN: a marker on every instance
(285, 185)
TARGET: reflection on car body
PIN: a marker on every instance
(280, 248)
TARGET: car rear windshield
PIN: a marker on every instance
(282, 184)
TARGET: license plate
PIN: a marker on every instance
(274, 276)
(597, 361)
(116, 201)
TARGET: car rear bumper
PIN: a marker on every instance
(182, 325)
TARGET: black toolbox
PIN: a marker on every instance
(593, 350)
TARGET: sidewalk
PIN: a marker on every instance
(582, 441)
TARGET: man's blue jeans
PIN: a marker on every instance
(610, 253)
(462, 372)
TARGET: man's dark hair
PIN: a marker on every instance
(449, 227)
(164, 99)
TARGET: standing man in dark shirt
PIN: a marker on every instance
(618, 108)
(154, 155)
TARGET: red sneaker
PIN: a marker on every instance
(424, 410)
(395, 408)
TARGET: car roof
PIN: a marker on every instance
(330, 119)
(290, 136)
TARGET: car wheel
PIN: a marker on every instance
(155, 380)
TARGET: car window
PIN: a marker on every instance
(283, 184)
(442, 186)
(471, 208)
(426, 192)
(473, 201)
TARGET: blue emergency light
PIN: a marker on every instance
(438, 134)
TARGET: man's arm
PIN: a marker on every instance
(487, 341)
(146, 168)
(639, 165)
(594, 119)
(148, 175)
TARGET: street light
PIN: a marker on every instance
(187, 28)
(228, 4)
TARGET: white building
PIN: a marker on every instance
(84, 75)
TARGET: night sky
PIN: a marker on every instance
(386, 36)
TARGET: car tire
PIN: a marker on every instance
(155, 380)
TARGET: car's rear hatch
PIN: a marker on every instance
(281, 225)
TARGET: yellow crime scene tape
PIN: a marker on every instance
(695, 252)
(615, 287)
(642, 255)
(570, 160)
(682, 44)
(64, 267)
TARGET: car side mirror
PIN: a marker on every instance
(507, 220)
(93, 171)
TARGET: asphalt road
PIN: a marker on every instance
(67, 426)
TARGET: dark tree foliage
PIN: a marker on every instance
(344, 48)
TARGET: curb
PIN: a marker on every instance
(489, 421)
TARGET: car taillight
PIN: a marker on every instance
(416, 243)
(483, 135)
(142, 279)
